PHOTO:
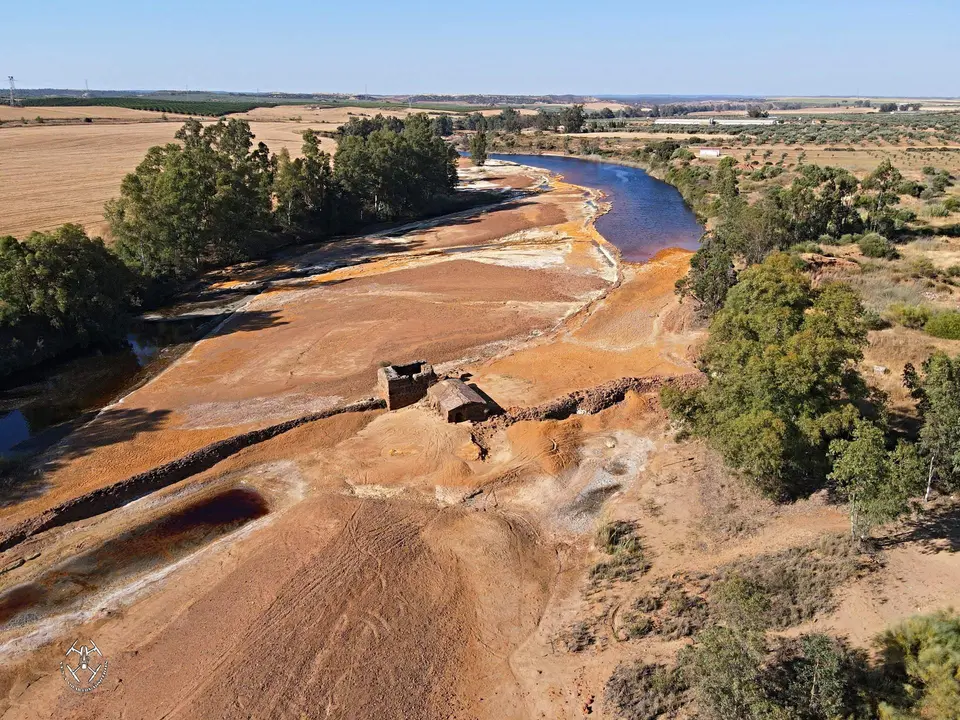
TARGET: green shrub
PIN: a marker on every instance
(937, 210)
(921, 663)
(741, 603)
(944, 325)
(826, 239)
(952, 203)
(953, 271)
(724, 670)
(910, 316)
(807, 247)
(910, 187)
(923, 267)
(735, 673)
(849, 239)
(875, 245)
(874, 321)
(817, 676)
(784, 588)
(905, 215)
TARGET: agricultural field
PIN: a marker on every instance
(52, 175)
(207, 108)
(30, 115)
(325, 118)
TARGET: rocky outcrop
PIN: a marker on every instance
(581, 402)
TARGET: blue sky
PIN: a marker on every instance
(774, 47)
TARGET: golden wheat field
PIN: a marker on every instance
(54, 174)
(54, 114)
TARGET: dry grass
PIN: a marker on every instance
(860, 161)
(15, 114)
(674, 609)
(731, 508)
(578, 637)
(880, 290)
(788, 587)
(778, 590)
(628, 560)
(644, 692)
(323, 118)
(52, 175)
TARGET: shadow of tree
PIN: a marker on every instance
(250, 321)
(377, 242)
(110, 427)
(24, 479)
(935, 531)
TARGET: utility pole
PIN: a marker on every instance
(12, 91)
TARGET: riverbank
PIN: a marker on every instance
(626, 155)
(645, 215)
(41, 404)
(371, 501)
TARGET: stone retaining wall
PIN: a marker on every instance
(133, 488)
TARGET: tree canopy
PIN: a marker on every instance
(210, 199)
(58, 290)
(876, 483)
(938, 391)
(573, 118)
(303, 188)
(199, 201)
(478, 147)
(389, 175)
(781, 376)
(213, 198)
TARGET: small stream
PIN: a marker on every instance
(646, 215)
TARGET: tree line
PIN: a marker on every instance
(211, 199)
(784, 403)
(572, 119)
(208, 108)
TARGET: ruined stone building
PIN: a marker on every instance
(402, 385)
(456, 402)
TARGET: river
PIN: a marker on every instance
(646, 215)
